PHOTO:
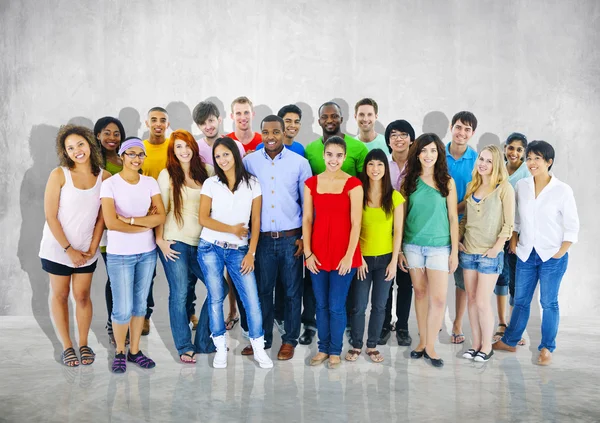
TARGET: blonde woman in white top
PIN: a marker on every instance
(180, 186)
(72, 233)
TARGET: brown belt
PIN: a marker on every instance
(282, 234)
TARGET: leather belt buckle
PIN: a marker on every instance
(276, 235)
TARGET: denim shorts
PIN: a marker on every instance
(433, 258)
(485, 265)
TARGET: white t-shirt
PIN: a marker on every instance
(229, 207)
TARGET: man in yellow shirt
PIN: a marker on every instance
(157, 143)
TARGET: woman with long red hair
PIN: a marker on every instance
(180, 185)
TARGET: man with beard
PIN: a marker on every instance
(365, 113)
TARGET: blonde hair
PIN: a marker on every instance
(499, 173)
(241, 100)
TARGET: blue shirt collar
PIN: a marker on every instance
(278, 157)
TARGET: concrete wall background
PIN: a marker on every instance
(528, 66)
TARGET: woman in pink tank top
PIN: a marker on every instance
(72, 232)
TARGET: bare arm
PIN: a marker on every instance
(208, 222)
(248, 261)
(155, 217)
(453, 219)
(112, 221)
(307, 227)
(397, 242)
(356, 203)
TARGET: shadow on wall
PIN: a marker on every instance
(306, 134)
(261, 111)
(41, 147)
(487, 138)
(346, 114)
(180, 116)
(436, 122)
(130, 118)
(81, 121)
(223, 114)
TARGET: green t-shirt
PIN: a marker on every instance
(377, 229)
(113, 168)
(378, 142)
(427, 223)
(355, 156)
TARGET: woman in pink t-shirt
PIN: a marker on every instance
(72, 232)
(131, 249)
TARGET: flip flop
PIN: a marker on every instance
(352, 354)
(373, 356)
(230, 323)
(455, 336)
(192, 357)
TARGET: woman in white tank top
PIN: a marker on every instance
(72, 232)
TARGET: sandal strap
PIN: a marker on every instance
(354, 352)
(374, 352)
(141, 360)
(86, 351)
(68, 356)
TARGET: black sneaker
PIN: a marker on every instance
(470, 354)
(385, 335)
(403, 338)
(482, 357)
(307, 337)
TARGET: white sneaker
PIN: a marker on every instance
(469, 354)
(260, 356)
(220, 360)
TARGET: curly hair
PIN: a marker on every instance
(96, 161)
(414, 170)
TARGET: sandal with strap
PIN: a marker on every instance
(191, 356)
(119, 363)
(87, 355)
(141, 360)
(375, 356)
(69, 358)
(499, 334)
(352, 355)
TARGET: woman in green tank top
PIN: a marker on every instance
(430, 237)
(109, 133)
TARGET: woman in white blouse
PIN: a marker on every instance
(546, 224)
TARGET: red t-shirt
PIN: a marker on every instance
(332, 225)
(251, 146)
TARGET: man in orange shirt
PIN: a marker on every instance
(242, 114)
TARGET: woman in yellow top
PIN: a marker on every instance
(484, 228)
(380, 241)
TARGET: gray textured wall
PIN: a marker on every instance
(531, 66)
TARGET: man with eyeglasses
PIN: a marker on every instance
(399, 136)
(366, 113)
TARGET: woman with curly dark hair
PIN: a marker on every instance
(430, 237)
(72, 232)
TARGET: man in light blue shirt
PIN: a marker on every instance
(281, 174)
(461, 160)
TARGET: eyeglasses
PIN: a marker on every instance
(400, 135)
(132, 155)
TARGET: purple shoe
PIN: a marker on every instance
(141, 360)
(119, 363)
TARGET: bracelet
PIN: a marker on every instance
(311, 254)
(66, 248)
(131, 220)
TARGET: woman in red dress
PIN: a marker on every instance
(331, 228)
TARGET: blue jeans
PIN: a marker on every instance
(503, 281)
(275, 260)
(379, 296)
(213, 259)
(180, 274)
(550, 275)
(331, 291)
(130, 278)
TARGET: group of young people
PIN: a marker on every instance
(296, 235)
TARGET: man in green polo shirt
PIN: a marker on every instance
(330, 120)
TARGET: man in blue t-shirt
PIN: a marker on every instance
(461, 161)
(291, 115)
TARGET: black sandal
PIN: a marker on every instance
(501, 325)
(87, 354)
(69, 358)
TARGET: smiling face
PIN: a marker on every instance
(182, 151)
(514, 152)
(399, 141)
(375, 170)
(224, 158)
(77, 148)
(461, 133)
(365, 117)
(537, 165)
(136, 162)
(210, 127)
(292, 125)
(334, 156)
(272, 136)
(428, 156)
(485, 163)
(157, 123)
(242, 116)
(330, 120)
(110, 137)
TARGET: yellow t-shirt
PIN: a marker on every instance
(156, 158)
(377, 229)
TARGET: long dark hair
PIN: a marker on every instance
(99, 127)
(197, 169)
(387, 203)
(241, 174)
(85, 133)
(413, 165)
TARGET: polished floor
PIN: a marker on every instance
(34, 387)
